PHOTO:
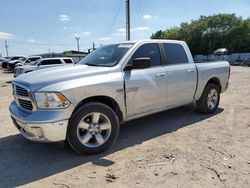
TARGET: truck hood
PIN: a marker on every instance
(44, 77)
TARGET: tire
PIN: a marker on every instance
(93, 128)
(206, 103)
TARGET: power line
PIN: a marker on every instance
(51, 22)
(139, 12)
(114, 21)
(41, 44)
(96, 5)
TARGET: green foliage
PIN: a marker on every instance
(209, 33)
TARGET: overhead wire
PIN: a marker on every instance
(114, 21)
(47, 24)
(95, 6)
(139, 13)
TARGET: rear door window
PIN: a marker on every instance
(175, 54)
(68, 61)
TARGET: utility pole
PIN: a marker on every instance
(77, 41)
(127, 19)
(6, 48)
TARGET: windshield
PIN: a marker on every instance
(31, 59)
(35, 62)
(106, 56)
(15, 58)
(22, 58)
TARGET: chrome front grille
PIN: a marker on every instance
(22, 97)
(21, 91)
(25, 104)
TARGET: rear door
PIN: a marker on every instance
(181, 75)
(146, 89)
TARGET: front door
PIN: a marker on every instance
(146, 89)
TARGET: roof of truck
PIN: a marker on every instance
(153, 40)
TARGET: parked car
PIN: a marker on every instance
(29, 60)
(5, 64)
(1, 61)
(12, 63)
(85, 103)
(238, 62)
(42, 64)
(247, 62)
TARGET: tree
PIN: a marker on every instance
(209, 33)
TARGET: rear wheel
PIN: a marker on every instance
(93, 128)
(210, 99)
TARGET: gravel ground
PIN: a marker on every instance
(176, 148)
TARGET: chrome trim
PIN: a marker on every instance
(45, 132)
(30, 98)
(22, 97)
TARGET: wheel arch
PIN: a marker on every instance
(215, 81)
(110, 102)
(201, 87)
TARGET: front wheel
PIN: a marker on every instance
(210, 99)
(93, 128)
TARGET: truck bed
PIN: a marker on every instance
(211, 70)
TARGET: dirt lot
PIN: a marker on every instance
(177, 148)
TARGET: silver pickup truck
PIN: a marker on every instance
(85, 103)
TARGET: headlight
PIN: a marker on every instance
(51, 100)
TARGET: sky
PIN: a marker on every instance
(34, 27)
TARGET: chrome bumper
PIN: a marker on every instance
(41, 126)
(47, 132)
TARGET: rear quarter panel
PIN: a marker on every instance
(207, 71)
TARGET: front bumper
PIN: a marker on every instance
(41, 125)
(46, 132)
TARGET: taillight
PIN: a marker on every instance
(229, 72)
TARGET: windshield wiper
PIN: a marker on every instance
(94, 65)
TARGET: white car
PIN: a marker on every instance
(42, 64)
(29, 60)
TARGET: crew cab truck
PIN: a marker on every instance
(85, 103)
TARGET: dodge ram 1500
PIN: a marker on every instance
(85, 103)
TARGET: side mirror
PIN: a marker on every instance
(139, 63)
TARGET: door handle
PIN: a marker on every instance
(191, 70)
(160, 75)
